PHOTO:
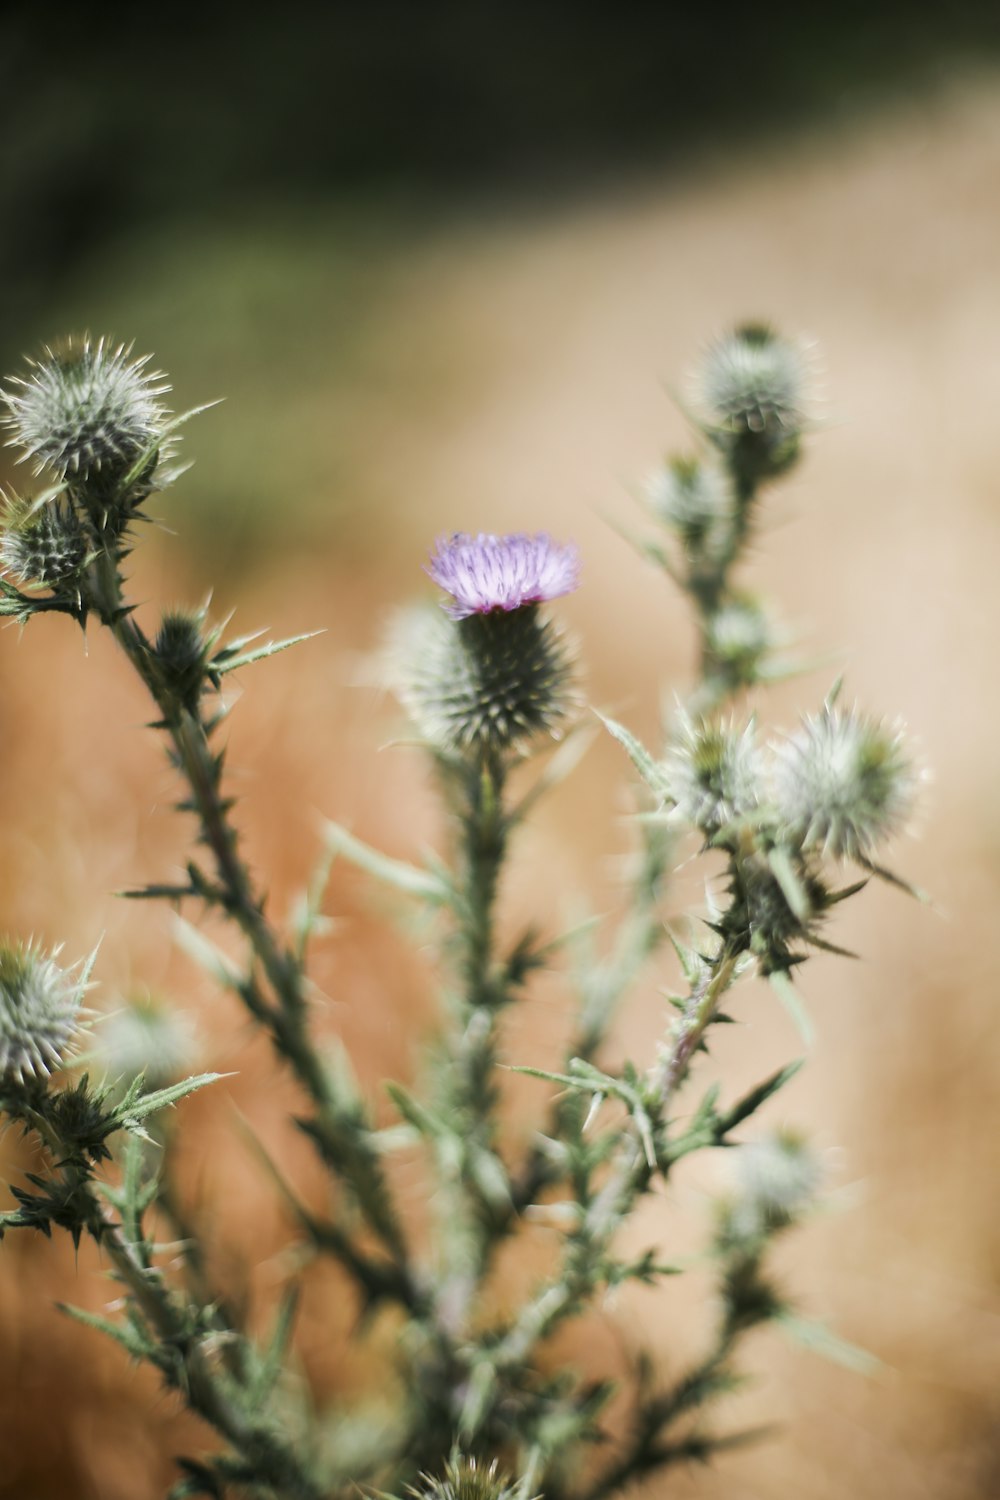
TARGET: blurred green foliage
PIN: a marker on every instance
(233, 187)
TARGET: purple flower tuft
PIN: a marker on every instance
(483, 573)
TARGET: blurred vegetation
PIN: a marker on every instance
(234, 188)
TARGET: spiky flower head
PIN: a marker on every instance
(776, 1178)
(466, 1479)
(752, 391)
(843, 784)
(712, 773)
(753, 380)
(181, 650)
(86, 408)
(39, 1010)
(486, 683)
(693, 498)
(738, 636)
(147, 1037)
(44, 543)
(485, 573)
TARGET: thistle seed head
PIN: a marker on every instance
(86, 408)
(39, 1010)
(46, 544)
(485, 683)
(712, 773)
(843, 784)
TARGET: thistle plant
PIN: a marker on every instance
(796, 823)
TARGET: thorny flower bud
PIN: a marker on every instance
(776, 1178)
(39, 1010)
(738, 636)
(695, 499)
(86, 408)
(42, 544)
(466, 1479)
(712, 773)
(752, 387)
(147, 1037)
(181, 652)
(484, 683)
(497, 672)
(843, 784)
(761, 920)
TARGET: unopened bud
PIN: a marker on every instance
(86, 409)
(712, 773)
(39, 1010)
(843, 784)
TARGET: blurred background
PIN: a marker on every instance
(448, 265)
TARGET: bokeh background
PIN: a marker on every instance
(447, 264)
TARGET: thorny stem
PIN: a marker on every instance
(272, 1460)
(639, 935)
(471, 1234)
(628, 1178)
(181, 1353)
(645, 1449)
(699, 1013)
(283, 1013)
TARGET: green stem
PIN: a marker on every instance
(273, 1462)
(645, 1450)
(473, 1213)
(179, 1347)
(283, 1013)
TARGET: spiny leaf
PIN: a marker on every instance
(755, 1097)
(126, 1334)
(271, 1364)
(394, 872)
(817, 1337)
(691, 962)
(152, 449)
(136, 1107)
(424, 1120)
(891, 878)
(787, 877)
(644, 763)
(210, 958)
(791, 1000)
(230, 660)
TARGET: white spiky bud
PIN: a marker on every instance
(149, 1038)
(44, 543)
(843, 784)
(739, 636)
(87, 408)
(712, 773)
(751, 380)
(39, 1010)
(695, 499)
(466, 1479)
(776, 1177)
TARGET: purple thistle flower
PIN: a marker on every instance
(484, 573)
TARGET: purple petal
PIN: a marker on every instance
(485, 572)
